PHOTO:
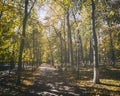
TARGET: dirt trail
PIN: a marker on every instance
(49, 82)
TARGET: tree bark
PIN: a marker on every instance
(91, 53)
(65, 48)
(112, 53)
(81, 49)
(69, 41)
(95, 46)
(61, 50)
(22, 42)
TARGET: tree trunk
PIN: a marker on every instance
(69, 41)
(91, 53)
(95, 47)
(22, 42)
(51, 53)
(61, 50)
(65, 48)
(61, 46)
(81, 50)
(112, 53)
(34, 49)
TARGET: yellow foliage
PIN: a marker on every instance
(112, 12)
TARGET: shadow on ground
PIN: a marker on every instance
(49, 82)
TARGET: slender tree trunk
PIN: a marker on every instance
(69, 41)
(95, 47)
(34, 49)
(51, 53)
(61, 46)
(79, 53)
(1, 14)
(39, 55)
(65, 48)
(22, 42)
(91, 53)
(85, 53)
(81, 49)
(112, 53)
(78, 60)
(52, 58)
(61, 50)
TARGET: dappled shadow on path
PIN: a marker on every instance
(49, 82)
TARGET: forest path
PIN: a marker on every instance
(50, 82)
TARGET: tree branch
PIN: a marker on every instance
(31, 7)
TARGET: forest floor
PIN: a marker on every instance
(48, 81)
(109, 80)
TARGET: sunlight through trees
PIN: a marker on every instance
(70, 35)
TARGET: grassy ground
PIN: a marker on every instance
(109, 78)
